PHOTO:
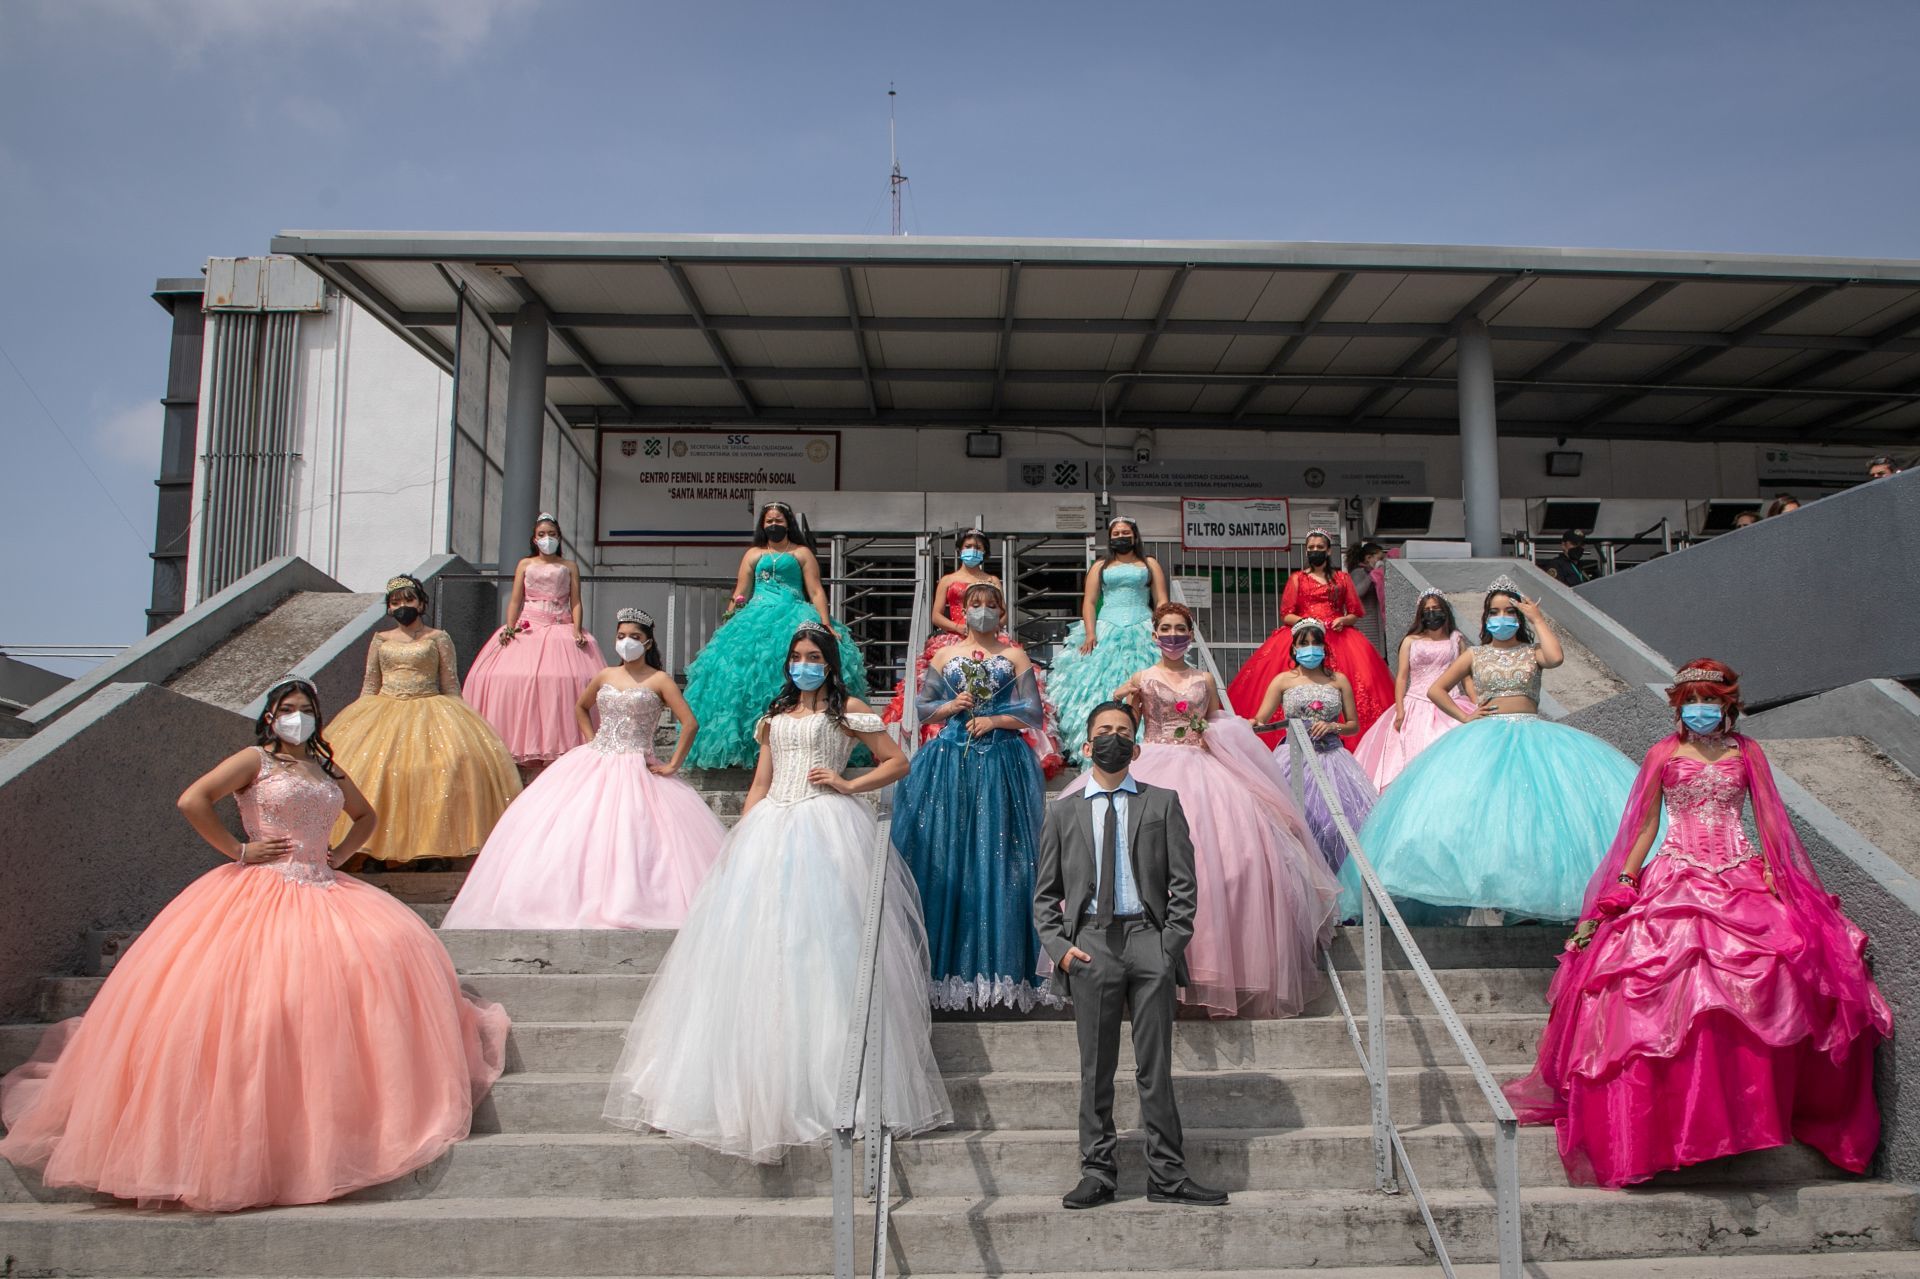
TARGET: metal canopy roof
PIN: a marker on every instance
(793, 331)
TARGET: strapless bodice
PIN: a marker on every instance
(548, 585)
(1427, 659)
(1170, 702)
(800, 745)
(287, 802)
(779, 570)
(964, 674)
(1704, 802)
(1314, 703)
(629, 718)
(1506, 672)
(1124, 593)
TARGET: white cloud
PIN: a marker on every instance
(130, 436)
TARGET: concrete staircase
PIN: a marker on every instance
(1276, 1112)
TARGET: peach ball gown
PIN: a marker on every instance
(279, 1034)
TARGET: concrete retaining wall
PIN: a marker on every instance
(1851, 560)
(1881, 711)
(88, 834)
(189, 637)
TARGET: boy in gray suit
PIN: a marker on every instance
(1113, 901)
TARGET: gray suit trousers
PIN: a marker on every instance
(1129, 969)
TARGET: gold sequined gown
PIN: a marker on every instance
(438, 776)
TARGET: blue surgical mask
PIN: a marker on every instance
(1503, 627)
(1702, 717)
(807, 676)
(973, 557)
(1310, 656)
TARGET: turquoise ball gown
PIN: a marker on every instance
(1124, 634)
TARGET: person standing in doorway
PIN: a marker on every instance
(1567, 568)
(1113, 902)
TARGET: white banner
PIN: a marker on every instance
(1227, 478)
(694, 487)
(1234, 524)
(1825, 469)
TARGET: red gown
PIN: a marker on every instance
(1046, 746)
(1348, 651)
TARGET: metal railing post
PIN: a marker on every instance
(1383, 1178)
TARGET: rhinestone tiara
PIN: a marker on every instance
(1699, 675)
(633, 615)
(1504, 585)
(1307, 624)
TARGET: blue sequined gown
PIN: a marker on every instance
(1509, 811)
(743, 667)
(1124, 631)
(967, 823)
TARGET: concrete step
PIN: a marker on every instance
(555, 1102)
(1014, 1234)
(1847, 1265)
(622, 1165)
(549, 996)
(481, 950)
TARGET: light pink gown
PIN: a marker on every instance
(526, 688)
(1383, 750)
(1266, 898)
(1717, 1014)
(597, 840)
(277, 1035)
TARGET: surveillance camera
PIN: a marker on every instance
(1143, 447)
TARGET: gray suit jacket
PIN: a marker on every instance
(1159, 849)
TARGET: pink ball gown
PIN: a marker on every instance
(1715, 1014)
(277, 1035)
(526, 688)
(1266, 898)
(1383, 749)
(597, 840)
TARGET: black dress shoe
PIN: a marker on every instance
(1186, 1191)
(1090, 1193)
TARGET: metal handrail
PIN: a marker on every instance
(862, 1074)
(1389, 1151)
(917, 632)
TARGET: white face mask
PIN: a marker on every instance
(629, 648)
(548, 545)
(293, 728)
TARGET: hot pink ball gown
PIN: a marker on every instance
(277, 1035)
(1384, 750)
(1266, 898)
(526, 688)
(597, 840)
(1716, 1014)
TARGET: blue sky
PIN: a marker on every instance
(139, 137)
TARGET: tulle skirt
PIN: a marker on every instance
(739, 1042)
(1385, 751)
(263, 1042)
(526, 689)
(596, 841)
(1266, 898)
(1348, 653)
(1356, 794)
(967, 822)
(1511, 812)
(433, 770)
(1702, 1031)
(1081, 681)
(732, 681)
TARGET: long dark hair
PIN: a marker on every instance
(1525, 635)
(833, 693)
(1359, 551)
(1139, 546)
(264, 736)
(1453, 627)
(797, 534)
(533, 538)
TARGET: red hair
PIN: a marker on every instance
(1181, 611)
(1724, 690)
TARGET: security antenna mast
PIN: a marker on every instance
(898, 180)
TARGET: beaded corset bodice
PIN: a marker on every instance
(1124, 594)
(629, 718)
(1704, 802)
(1314, 702)
(409, 668)
(287, 801)
(800, 745)
(1506, 672)
(1162, 695)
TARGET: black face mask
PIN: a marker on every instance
(1121, 545)
(1113, 752)
(776, 532)
(1433, 620)
(406, 615)
(1318, 559)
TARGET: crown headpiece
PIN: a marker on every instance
(1504, 585)
(403, 583)
(546, 517)
(1699, 675)
(972, 532)
(634, 615)
(290, 680)
(1120, 517)
(814, 628)
(1320, 532)
(1307, 624)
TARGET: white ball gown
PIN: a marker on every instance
(738, 1043)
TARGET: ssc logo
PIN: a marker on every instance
(679, 448)
(1315, 477)
(1066, 475)
(816, 451)
(653, 447)
(1033, 474)
(629, 447)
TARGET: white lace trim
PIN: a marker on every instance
(962, 994)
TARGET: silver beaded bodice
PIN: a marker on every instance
(800, 745)
(1506, 672)
(1314, 702)
(287, 801)
(629, 718)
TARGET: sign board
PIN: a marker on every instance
(697, 487)
(1195, 592)
(1212, 476)
(1826, 468)
(1234, 524)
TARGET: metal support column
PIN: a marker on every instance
(526, 420)
(1479, 438)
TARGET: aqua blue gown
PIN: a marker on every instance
(1511, 812)
(967, 823)
(743, 667)
(1081, 681)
